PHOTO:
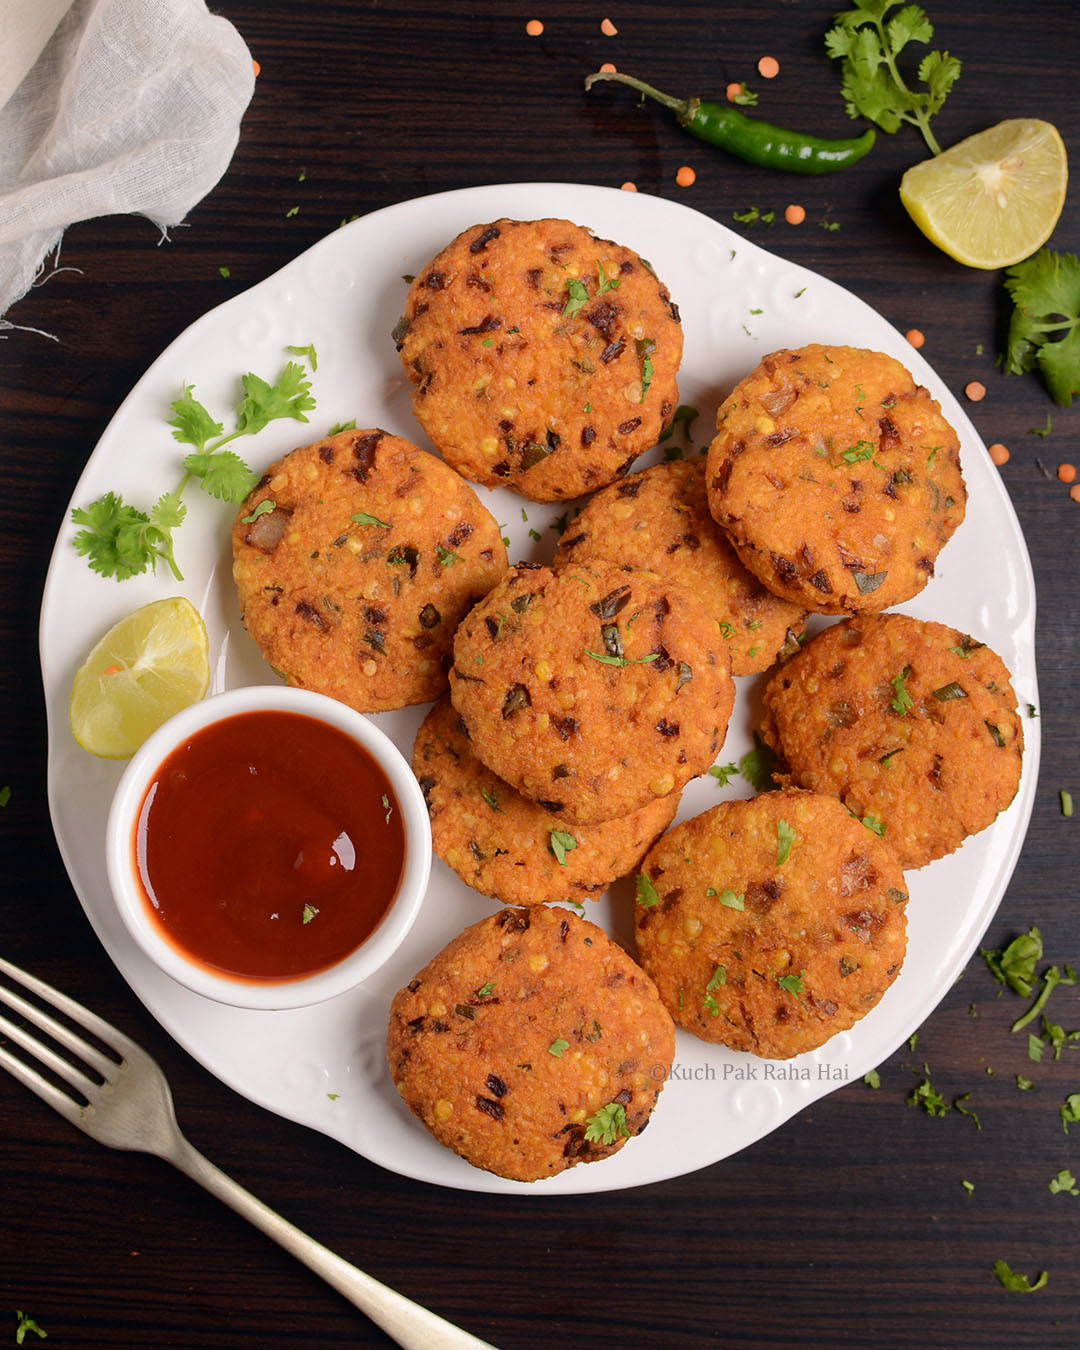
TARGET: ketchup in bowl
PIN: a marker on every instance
(268, 845)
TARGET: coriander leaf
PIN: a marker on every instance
(365, 518)
(872, 1079)
(603, 281)
(759, 765)
(558, 1047)
(1070, 1111)
(492, 800)
(731, 900)
(191, 423)
(25, 1324)
(1044, 328)
(222, 473)
(560, 842)
(928, 1097)
(723, 773)
(578, 297)
(791, 984)
(308, 352)
(1064, 1181)
(1015, 965)
(1051, 979)
(1019, 1283)
(874, 823)
(121, 541)
(264, 403)
(902, 702)
(646, 892)
(867, 41)
(964, 1111)
(263, 509)
(785, 837)
(308, 914)
(1024, 1083)
(607, 1124)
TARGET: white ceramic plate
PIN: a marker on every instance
(324, 1066)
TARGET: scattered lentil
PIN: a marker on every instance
(686, 177)
(1074, 492)
(768, 67)
(608, 68)
(608, 28)
(915, 337)
(628, 186)
(732, 92)
(975, 390)
(998, 453)
(794, 214)
(1066, 472)
(534, 28)
(256, 68)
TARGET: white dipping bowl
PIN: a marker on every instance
(265, 992)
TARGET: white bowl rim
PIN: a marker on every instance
(325, 984)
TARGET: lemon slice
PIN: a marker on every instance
(993, 199)
(147, 667)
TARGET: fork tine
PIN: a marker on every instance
(59, 1101)
(60, 1033)
(44, 1054)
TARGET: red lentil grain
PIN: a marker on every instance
(686, 177)
(768, 67)
(794, 214)
(915, 337)
(1067, 473)
(975, 390)
(534, 28)
(608, 28)
(998, 453)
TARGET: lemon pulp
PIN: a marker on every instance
(149, 665)
(993, 199)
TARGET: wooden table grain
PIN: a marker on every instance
(848, 1226)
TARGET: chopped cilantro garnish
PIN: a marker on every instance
(560, 842)
(1064, 1181)
(603, 281)
(1066, 802)
(446, 556)
(874, 823)
(485, 989)
(1070, 1111)
(309, 913)
(621, 660)
(1050, 980)
(492, 800)
(1018, 1283)
(964, 1111)
(1044, 330)
(872, 1079)
(730, 899)
(1024, 1083)
(558, 1047)
(758, 765)
(1015, 965)
(968, 1186)
(25, 1324)
(928, 1097)
(785, 837)
(791, 984)
(577, 297)
(646, 892)
(723, 773)
(607, 1124)
(365, 518)
(901, 700)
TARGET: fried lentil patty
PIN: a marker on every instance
(355, 559)
(911, 724)
(542, 358)
(836, 477)
(592, 690)
(530, 1043)
(508, 847)
(659, 520)
(771, 924)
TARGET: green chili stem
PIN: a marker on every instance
(681, 107)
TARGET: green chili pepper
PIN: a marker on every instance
(757, 142)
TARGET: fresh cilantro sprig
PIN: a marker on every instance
(869, 40)
(1044, 329)
(607, 1124)
(120, 540)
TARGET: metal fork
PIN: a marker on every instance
(132, 1108)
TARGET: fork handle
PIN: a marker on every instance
(409, 1324)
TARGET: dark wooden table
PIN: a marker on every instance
(847, 1226)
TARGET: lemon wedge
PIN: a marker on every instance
(994, 198)
(148, 666)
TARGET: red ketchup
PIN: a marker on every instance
(269, 846)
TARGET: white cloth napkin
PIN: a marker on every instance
(120, 106)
